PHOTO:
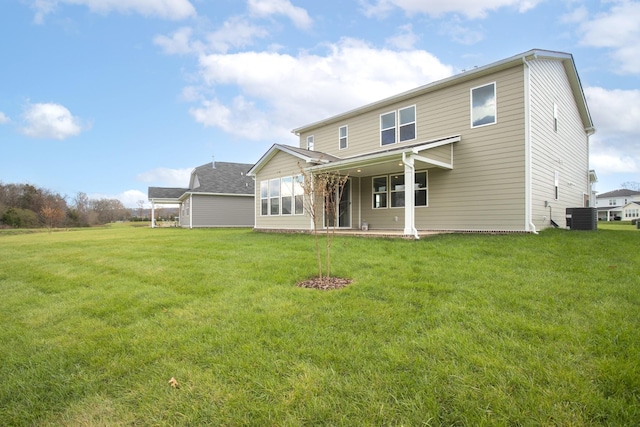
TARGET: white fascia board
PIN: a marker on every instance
(381, 157)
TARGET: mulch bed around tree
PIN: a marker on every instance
(325, 284)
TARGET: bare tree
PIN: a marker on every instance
(322, 194)
(631, 185)
(51, 214)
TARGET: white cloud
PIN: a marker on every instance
(4, 118)
(618, 30)
(236, 32)
(472, 9)
(50, 121)
(616, 115)
(166, 177)
(266, 8)
(461, 32)
(404, 40)
(277, 92)
(165, 9)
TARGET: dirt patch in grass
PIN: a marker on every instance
(325, 284)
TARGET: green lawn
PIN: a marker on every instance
(449, 330)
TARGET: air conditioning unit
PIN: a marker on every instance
(582, 218)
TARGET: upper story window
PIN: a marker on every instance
(388, 128)
(407, 119)
(483, 105)
(612, 202)
(342, 138)
(310, 142)
(398, 126)
(555, 117)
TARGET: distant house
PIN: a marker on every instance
(617, 204)
(219, 195)
(503, 147)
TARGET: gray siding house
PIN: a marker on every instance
(500, 148)
(220, 194)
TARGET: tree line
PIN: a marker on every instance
(29, 206)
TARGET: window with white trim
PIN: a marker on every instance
(555, 117)
(398, 125)
(342, 137)
(310, 142)
(282, 196)
(421, 189)
(264, 197)
(395, 191)
(274, 196)
(407, 122)
(483, 105)
(556, 185)
(298, 195)
(388, 128)
(286, 190)
(379, 192)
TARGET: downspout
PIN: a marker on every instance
(190, 210)
(409, 211)
(528, 209)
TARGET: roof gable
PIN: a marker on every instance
(308, 156)
(222, 178)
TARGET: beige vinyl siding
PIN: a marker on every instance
(564, 151)
(486, 188)
(280, 165)
(222, 211)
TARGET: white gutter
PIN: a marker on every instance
(409, 196)
(528, 208)
(191, 210)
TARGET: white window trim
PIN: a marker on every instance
(397, 125)
(346, 137)
(310, 143)
(293, 195)
(374, 192)
(495, 95)
(391, 190)
(555, 117)
(414, 122)
(556, 185)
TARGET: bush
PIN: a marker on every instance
(20, 218)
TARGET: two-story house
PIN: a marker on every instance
(500, 148)
(623, 204)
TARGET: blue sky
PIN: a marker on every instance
(109, 97)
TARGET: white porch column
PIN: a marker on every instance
(153, 214)
(409, 196)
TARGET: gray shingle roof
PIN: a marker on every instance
(224, 178)
(165, 192)
(619, 193)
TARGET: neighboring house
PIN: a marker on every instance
(503, 147)
(219, 195)
(613, 204)
(631, 211)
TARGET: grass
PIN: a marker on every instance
(448, 330)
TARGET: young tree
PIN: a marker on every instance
(322, 194)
